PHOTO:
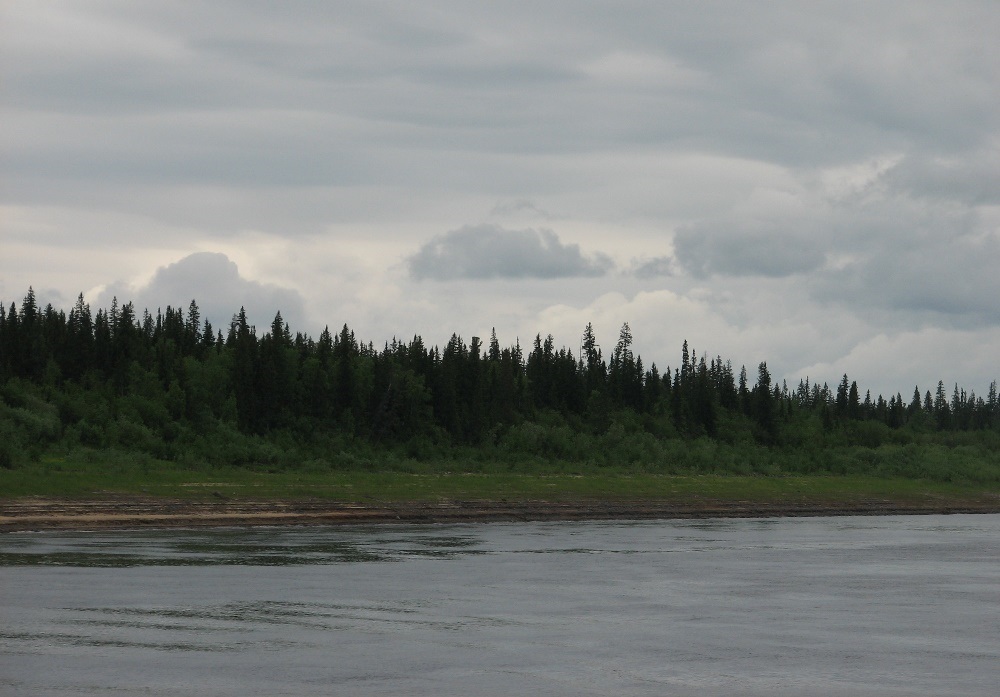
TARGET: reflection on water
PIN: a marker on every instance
(254, 547)
(835, 606)
(216, 628)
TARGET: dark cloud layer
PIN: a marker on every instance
(214, 282)
(489, 251)
(332, 94)
(941, 271)
(733, 251)
(970, 178)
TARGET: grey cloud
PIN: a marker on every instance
(736, 251)
(652, 268)
(972, 177)
(490, 251)
(797, 85)
(251, 151)
(215, 283)
(911, 259)
(939, 272)
(333, 95)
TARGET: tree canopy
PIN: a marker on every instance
(165, 381)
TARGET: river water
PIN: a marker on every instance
(888, 606)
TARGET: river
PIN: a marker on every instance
(887, 606)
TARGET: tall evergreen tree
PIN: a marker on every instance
(763, 405)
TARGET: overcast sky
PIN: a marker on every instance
(814, 184)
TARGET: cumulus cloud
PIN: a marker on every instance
(215, 283)
(490, 251)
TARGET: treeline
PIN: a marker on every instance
(170, 383)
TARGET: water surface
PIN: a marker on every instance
(906, 605)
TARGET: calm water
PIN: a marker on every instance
(821, 606)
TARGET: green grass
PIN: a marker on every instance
(119, 474)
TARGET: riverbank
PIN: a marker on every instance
(87, 496)
(125, 512)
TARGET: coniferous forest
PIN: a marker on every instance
(171, 387)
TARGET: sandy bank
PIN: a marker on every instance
(133, 512)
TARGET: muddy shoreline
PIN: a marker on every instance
(133, 512)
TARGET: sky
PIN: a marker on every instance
(811, 184)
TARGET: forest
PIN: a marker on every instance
(171, 387)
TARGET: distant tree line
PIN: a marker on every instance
(119, 376)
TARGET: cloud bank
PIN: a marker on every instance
(490, 251)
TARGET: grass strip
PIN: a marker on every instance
(74, 479)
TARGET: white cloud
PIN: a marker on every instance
(215, 283)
